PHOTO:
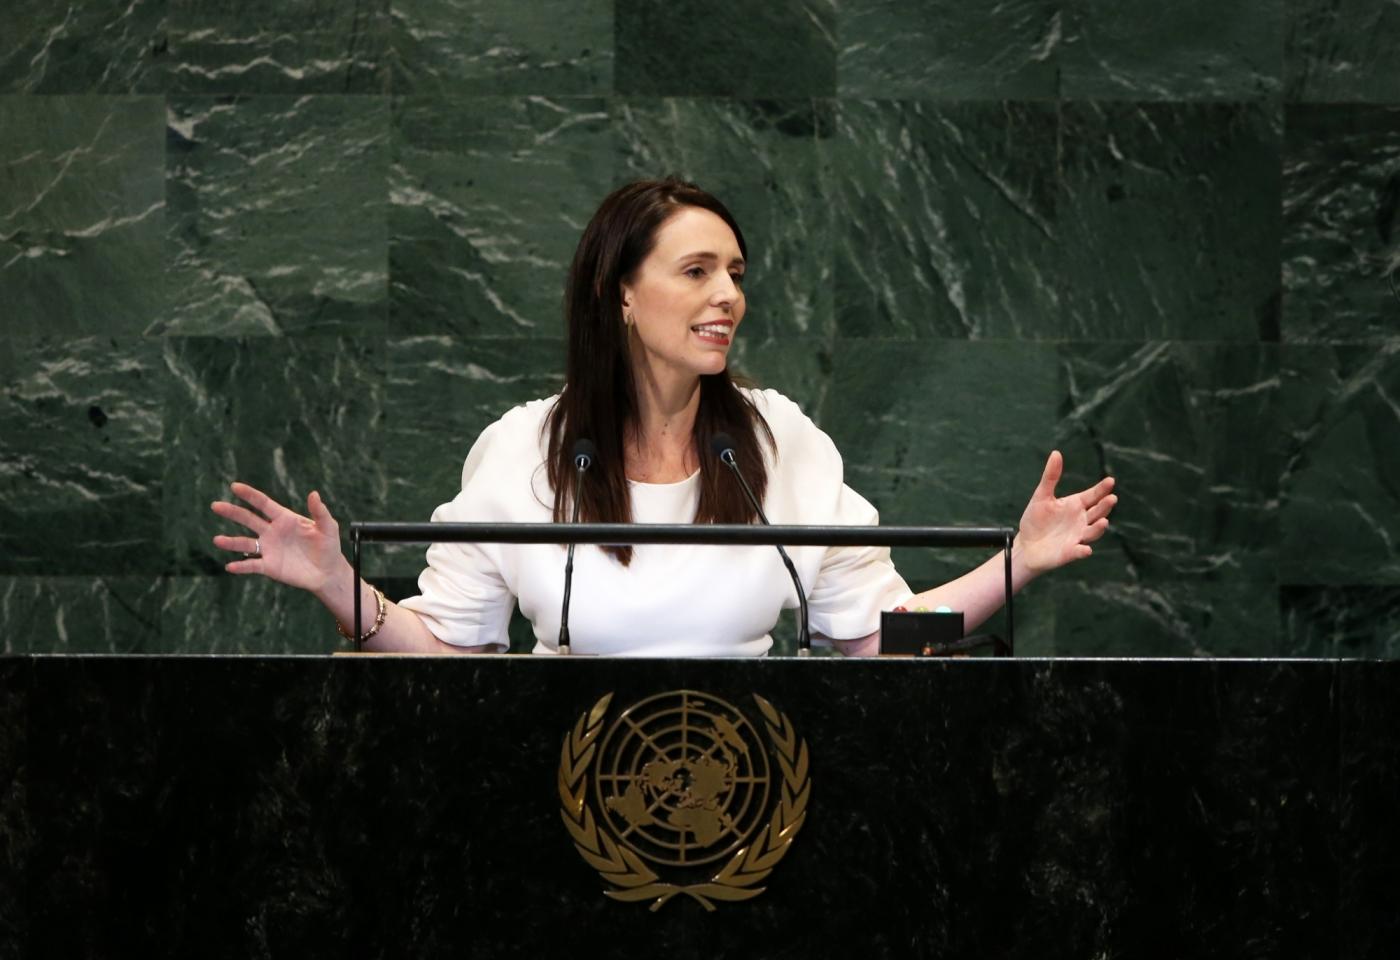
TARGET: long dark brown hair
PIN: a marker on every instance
(599, 399)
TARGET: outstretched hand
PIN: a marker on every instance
(285, 546)
(1058, 530)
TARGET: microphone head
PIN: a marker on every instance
(584, 453)
(723, 446)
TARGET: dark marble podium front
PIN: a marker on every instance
(407, 807)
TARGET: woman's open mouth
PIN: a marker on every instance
(713, 332)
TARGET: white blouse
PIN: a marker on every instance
(673, 600)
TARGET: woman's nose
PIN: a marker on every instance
(726, 291)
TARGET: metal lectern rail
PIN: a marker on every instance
(719, 534)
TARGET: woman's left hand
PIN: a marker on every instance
(1058, 530)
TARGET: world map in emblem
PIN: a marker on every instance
(682, 778)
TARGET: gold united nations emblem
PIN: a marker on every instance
(683, 794)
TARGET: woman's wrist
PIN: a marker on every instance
(1022, 572)
(334, 592)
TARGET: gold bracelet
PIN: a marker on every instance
(378, 617)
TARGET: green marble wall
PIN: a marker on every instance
(321, 246)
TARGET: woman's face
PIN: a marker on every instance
(687, 297)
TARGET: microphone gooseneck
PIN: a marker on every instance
(723, 446)
(584, 455)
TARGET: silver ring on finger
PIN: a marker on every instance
(257, 551)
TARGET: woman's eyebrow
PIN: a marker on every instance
(709, 255)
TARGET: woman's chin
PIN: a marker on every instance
(711, 363)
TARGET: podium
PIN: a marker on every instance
(411, 806)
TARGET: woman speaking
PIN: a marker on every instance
(655, 298)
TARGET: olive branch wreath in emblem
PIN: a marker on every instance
(632, 880)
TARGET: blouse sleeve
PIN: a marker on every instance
(855, 584)
(464, 599)
(852, 585)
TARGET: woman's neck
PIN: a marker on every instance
(661, 445)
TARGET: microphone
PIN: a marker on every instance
(723, 446)
(584, 455)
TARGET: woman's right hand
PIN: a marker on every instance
(298, 551)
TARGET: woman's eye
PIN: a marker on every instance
(695, 273)
(738, 279)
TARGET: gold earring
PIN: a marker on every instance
(628, 320)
